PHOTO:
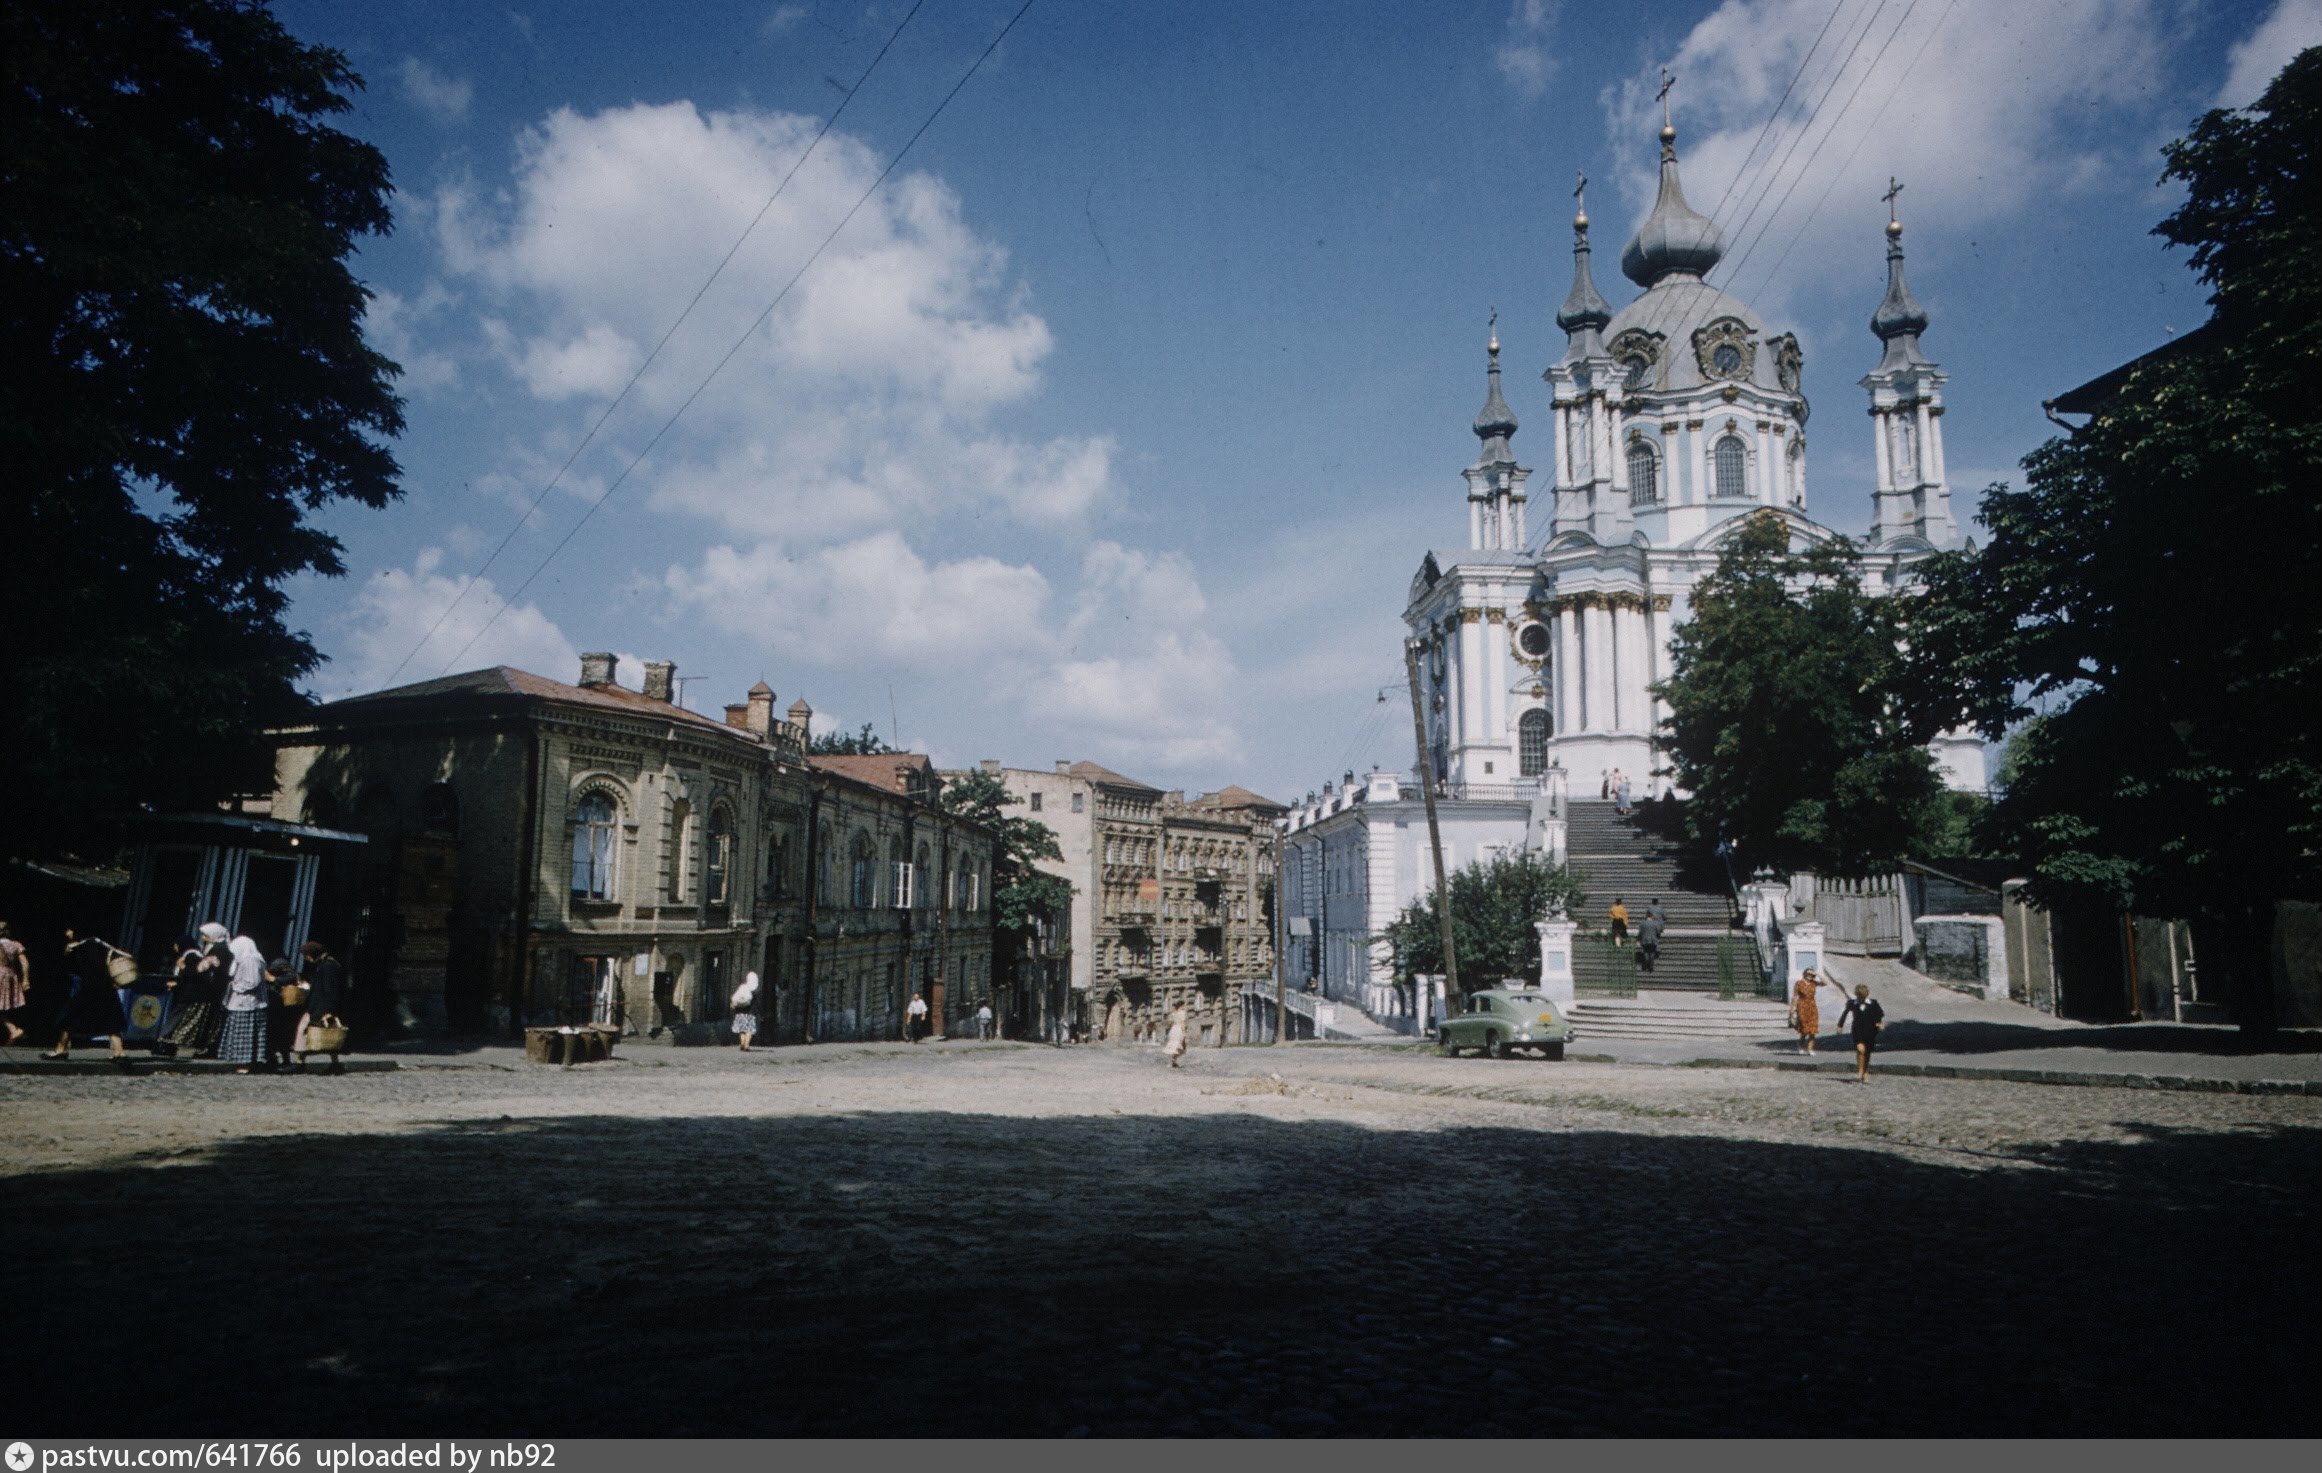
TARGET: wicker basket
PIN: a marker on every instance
(326, 1038)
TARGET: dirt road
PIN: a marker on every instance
(1003, 1239)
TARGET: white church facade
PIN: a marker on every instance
(1672, 420)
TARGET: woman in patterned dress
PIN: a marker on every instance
(245, 1042)
(1805, 1012)
(745, 1004)
(197, 994)
(15, 984)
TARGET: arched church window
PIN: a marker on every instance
(1732, 468)
(1644, 475)
(593, 820)
(1797, 473)
(859, 888)
(1532, 743)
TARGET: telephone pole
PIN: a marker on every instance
(1451, 993)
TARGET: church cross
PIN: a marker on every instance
(1578, 193)
(1667, 82)
(1893, 189)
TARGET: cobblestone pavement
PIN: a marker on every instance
(983, 1239)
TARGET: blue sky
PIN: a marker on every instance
(1114, 424)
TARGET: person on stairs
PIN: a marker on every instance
(1649, 932)
(1618, 913)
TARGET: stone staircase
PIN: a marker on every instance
(1653, 1014)
(1638, 859)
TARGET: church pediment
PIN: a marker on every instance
(1805, 533)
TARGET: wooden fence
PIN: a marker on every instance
(1859, 917)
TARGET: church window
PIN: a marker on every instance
(1636, 367)
(863, 881)
(1732, 463)
(1533, 640)
(1644, 475)
(1797, 473)
(1727, 360)
(1906, 447)
(592, 848)
(1532, 743)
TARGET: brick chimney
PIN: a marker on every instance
(660, 680)
(597, 669)
(802, 717)
(738, 716)
(758, 709)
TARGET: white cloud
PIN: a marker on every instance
(1980, 108)
(443, 98)
(871, 393)
(391, 614)
(400, 328)
(2260, 56)
(1523, 56)
(784, 19)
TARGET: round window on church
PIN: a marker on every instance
(1727, 358)
(1533, 639)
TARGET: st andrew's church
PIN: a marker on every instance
(1672, 419)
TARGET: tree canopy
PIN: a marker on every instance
(187, 384)
(2151, 590)
(1493, 906)
(1021, 892)
(1783, 719)
(863, 743)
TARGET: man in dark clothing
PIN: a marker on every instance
(326, 995)
(1649, 934)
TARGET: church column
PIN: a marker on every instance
(1634, 674)
(1567, 632)
(1657, 634)
(1471, 673)
(1696, 466)
(1563, 446)
(1769, 486)
(1596, 636)
(1495, 664)
(1474, 522)
(1930, 447)
(1879, 435)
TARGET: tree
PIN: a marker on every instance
(1493, 906)
(187, 383)
(1023, 895)
(1783, 719)
(2151, 589)
(864, 743)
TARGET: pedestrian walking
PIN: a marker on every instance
(244, 1042)
(1863, 1018)
(326, 1004)
(745, 1002)
(1649, 931)
(15, 985)
(285, 1011)
(1805, 1010)
(197, 996)
(984, 1021)
(1604, 782)
(1175, 1047)
(1618, 913)
(1621, 793)
(915, 1018)
(92, 1008)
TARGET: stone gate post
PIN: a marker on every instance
(1556, 959)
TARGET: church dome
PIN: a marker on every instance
(1675, 237)
(1672, 313)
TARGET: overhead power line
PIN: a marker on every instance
(756, 323)
(1771, 117)
(618, 399)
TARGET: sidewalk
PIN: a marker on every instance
(1935, 1031)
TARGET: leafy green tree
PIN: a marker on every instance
(2152, 587)
(1021, 892)
(186, 384)
(1783, 723)
(1493, 906)
(864, 743)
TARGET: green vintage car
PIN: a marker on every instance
(1500, 1020)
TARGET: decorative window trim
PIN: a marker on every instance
(1725, 332)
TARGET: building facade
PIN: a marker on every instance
(543, 853)
(1672, 420)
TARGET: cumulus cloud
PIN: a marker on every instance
(443, 98)
(2260, 56)
(391, 615)
(401, 328)
(1523, 56)
(1980, 108)
(874, 385)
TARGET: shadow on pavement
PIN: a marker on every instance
(1973, 1037)
(955, 1274)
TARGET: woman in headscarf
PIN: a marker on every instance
(94, 1008)
(244, 1045)
(745, 1002)
(197, 990)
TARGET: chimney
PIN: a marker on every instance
(738, 716)
(660, 680)
(758, 710)
(597, 669)
(990, 765)
(1062, 765)
(802, 717)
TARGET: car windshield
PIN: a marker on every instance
(1529, 1000)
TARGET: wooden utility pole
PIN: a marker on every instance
(1451, 992)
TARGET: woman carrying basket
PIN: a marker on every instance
(322, 1028)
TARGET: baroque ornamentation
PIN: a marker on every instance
(1724, 350)
(1639, 354)
(1661, 603)
(1621, 599)
(1789, 363)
